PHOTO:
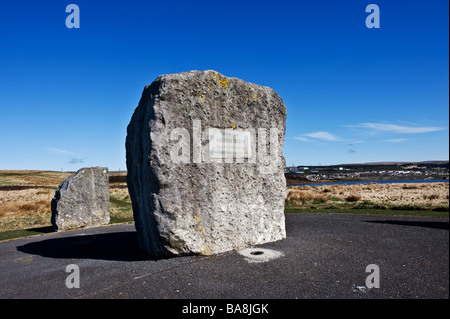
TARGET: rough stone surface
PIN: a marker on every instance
(82, 200)
(188, 198)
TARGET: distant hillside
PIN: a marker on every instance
(384, 165)
(398, 163)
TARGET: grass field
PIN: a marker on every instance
(25, 198)
(420, 199)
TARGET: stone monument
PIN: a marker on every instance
(205, 164)
(82, 200)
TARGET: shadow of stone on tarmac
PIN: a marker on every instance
(429, 224)
(119, 246)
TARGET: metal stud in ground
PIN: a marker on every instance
(259, 255)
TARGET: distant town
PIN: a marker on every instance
(369, 171)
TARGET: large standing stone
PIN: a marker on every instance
(205, 164)
(82, 200)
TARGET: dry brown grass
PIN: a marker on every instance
(299, 196)
(25, 198)
(431, 196)
(352, 198)
(41, 206)
(120, 203)
(426, 195)
(33, 178)
(25, 208)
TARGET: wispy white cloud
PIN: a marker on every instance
(355, 142)
(324, 136)
(393, 128)
(59, 151)
(303, 139)
(73, 160)
(396, 140)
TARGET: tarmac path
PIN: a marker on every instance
(324, 256)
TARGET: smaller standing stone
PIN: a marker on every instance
(82, 200)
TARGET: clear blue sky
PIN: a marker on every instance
(353, 94)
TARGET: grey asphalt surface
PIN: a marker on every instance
(324, 256)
